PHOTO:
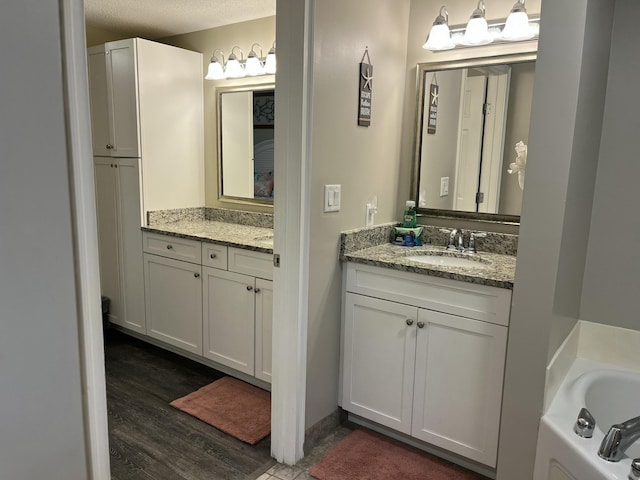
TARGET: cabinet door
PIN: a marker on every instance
(173, 298)
(108, 243)
(264, 316)
(379, 353)
(229, 301)
(122, 96)
(130, 243)
(100, 130)
(458, 384)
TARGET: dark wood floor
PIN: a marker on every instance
(151, 440)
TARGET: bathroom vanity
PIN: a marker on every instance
(423, 345)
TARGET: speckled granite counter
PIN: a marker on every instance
(203, 225)
(372, 247)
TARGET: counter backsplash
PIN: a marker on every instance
(238, 217)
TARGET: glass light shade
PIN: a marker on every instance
(517, 27)
(215, 71)
(253, 66)
(439, 38)
(270, 62)
(233, 69)
(477, 32)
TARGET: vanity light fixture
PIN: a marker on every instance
(440, 36)
(216, 69)
(270, 61)
(517, 27)
(236, 67)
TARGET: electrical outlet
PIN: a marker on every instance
(444, 186)
(332, 196)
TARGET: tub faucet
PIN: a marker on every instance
(619, 437)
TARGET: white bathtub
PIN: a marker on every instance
(612, 395)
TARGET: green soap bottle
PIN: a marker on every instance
(409, 220)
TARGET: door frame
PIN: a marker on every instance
(291, 232)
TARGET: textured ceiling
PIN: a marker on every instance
(154, 19)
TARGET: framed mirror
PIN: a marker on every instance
(470, 116)
(246, 117)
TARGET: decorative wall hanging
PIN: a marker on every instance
(433, 106)
(364, 98)
(263, 109)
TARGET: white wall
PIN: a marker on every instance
(570, 84)
(41, 420)
(612, 273)
(363, 160)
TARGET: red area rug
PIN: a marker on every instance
(364, 455)
(235, 407)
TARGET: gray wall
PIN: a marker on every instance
(566, 121)
(362, 159)
(41, 421)
(612, 273)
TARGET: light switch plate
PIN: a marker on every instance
(444, 186)
(332, 198)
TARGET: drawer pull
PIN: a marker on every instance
(409, 321)
(257, 290)
(212, 256)
(249, 288)
(420, 324)
(169, 247)
(109, 146)
(196, 275)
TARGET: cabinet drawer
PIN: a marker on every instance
(252, 263)
(172, 247)
(214, 255)
(480, 302)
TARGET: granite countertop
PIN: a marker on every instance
(373, 246)
(223, 233)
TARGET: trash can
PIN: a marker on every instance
(105, 313)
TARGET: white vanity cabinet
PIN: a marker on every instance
(120, 239)
(173, 291)
(425, 356)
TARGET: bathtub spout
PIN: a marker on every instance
(619, 437)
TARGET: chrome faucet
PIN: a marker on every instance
(619, 437)
(453, 235)
(472, 240)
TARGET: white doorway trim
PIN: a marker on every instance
(291, 239)
(85, 236)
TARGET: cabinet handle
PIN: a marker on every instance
(249, 288)
(169, 247)
(257, 290)
(109, 146)
(409, 321)
(420, 324)
(212, 256)
(196, 275)
(111, 165)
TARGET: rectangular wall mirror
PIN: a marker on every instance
(246, 117)
(470, 116)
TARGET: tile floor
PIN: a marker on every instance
(301, 470)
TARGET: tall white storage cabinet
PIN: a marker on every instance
(147, 120)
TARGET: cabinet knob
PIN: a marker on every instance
(212, 256)
(420, 324)
(409, 321)
(257, 290)
(169, 247)
(249, 288)
(196, 275)
(109, 146)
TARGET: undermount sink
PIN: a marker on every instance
(447, 261)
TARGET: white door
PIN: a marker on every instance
(173, 299)
(458, 384)
(264, 316)
(379, 351)
(122, 96)
(108, 245)
(229, 313)
(469, 143)
(100, 129)
(236, 112)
